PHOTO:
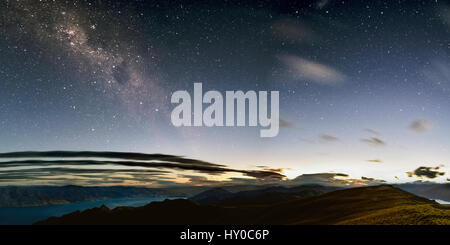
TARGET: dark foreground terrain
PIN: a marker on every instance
(366, 205)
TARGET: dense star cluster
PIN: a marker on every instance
(364, 86)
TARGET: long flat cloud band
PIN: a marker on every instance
(32, 164)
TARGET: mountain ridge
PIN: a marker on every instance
(364, 205)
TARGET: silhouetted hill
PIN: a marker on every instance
(359, 205)
(23, 196)
(365, 205)
(263, 196)
(211, 196)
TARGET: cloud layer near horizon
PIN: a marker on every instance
(88, 167)
(157, 170)
(334, 179)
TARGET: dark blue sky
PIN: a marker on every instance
(364, 86)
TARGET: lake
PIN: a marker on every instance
(29, 215)
(442, 201)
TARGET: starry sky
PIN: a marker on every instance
(364, 85)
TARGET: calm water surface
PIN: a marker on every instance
(29, 215)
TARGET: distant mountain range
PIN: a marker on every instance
(366, 205)
(25, 196)
(274, 194)
(428, 190)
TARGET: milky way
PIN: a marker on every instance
(364, 87)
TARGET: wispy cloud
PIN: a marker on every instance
(426, 172)
(275, 170)
(374, 141)
(309, 71)
(372, 131)
(372, 180)
(328, 138)
(375, 161)
(320, 4)
(420, 126)
(286, 124)
(109, 167)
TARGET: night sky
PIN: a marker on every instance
(364, 85)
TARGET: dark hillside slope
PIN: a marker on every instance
(365, 205)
